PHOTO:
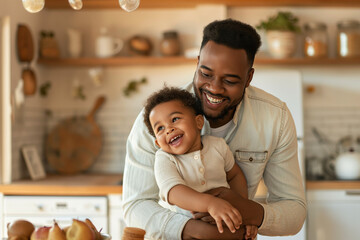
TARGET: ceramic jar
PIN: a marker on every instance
(170, 44)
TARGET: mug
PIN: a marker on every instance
(107, 46)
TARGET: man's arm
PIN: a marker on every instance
(285, 211)
(140, 191)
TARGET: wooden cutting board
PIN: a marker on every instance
(75, 143)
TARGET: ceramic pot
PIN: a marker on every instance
(347, 166)
(281, 44)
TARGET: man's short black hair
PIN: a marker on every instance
(168, 94)
(234, 34)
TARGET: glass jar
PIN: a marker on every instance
(170, 44)
(348, 38)
(316, 40)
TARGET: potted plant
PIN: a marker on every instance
(281, 32)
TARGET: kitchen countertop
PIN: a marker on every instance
(104, 184)
(67, 185)
(332, 185)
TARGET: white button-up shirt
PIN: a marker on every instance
(264, 143)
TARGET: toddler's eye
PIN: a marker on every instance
(160, 128)
(175, 119)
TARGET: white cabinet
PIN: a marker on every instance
(42, 210)
(333, 214)
(116, 219)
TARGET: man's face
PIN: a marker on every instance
(220, 79)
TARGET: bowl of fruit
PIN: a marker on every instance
(78, 230)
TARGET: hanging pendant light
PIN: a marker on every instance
(33, 6)
(76, 4)
(129, 5)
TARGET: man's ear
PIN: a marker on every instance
(250, 76)
(199, 121)
(157, 144)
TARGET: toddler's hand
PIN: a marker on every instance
(222, 210)
(251, 232)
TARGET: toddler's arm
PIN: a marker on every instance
(221, 210)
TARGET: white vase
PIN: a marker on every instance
(281, 44)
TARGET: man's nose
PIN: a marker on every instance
(170, 130)
(216, 86)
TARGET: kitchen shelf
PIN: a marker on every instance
(116, 61)
(96, 4)
(132, 61)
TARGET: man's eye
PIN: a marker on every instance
(175, 119)
(229, 82)
(205, 74)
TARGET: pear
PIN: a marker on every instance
(92, 226)
(56, 233)
(79, 230)
(20, 228)
(41, 233)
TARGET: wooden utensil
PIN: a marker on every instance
(74, 144)
(25, 44)
(25, 52)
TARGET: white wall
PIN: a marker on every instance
(336, 87)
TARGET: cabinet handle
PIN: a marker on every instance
(353, 192)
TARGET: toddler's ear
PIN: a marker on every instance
(157, 144)
(199, 121)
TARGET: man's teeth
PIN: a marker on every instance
(213, 100)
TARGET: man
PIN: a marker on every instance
(258, 128)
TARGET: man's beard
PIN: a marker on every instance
(211, 118)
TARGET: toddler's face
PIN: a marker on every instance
(176, 127)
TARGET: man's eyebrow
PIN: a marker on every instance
(203, 66)
(228, 75)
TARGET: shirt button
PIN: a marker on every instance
(251, 159)
(196, 157)
(201, 169)
(202, 182)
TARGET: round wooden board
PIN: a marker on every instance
(74, 144)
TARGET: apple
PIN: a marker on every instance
(41, 233)
(79, 230)
(56, 233)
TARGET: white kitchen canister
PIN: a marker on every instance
(347, 166)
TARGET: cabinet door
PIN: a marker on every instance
(333, 214)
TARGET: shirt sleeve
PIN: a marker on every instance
(140, 191)
(285, 210)
(166, 174)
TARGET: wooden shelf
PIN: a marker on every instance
(116, 61)
(150, 61)
(96, 4)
